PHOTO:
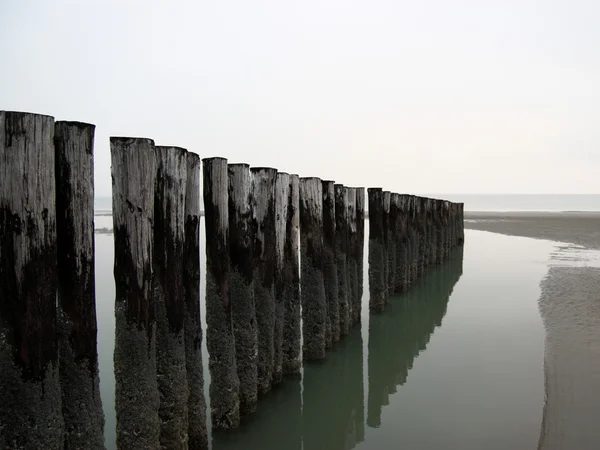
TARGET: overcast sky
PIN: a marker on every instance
(431, 96)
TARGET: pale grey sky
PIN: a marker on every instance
(442, 96)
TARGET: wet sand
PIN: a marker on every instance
(581, 228)
(570, 308)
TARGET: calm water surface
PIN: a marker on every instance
(457, 363)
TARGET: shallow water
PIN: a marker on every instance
(458, 362)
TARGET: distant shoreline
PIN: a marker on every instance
(520, 223)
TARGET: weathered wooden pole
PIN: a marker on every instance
(360, 234)
(430, 232)
(197, 430)
(241, 284)
(291, 319)
(353, 257)
(418, 253)
(377, 266)
(329, 263)
(312, 287)
(30, 393)
(436, 218)
(263, 198)
(169, 295)
(395, 237)
(461, 223)
(387, 196)
(81, 403)
(422, 224)
(438, 232)
(133, 163)
(282, 196)
(447, 212)
(392, 243)
(341, 258)
(453, 224)
(401, 243)
(220, 341)
(413, 240)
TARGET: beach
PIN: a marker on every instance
(580, 228)
(569, 305)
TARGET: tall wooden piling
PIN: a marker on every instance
(329, 263)
(282, 196)
(394, 239)
(391, 242)
(30, 393)
(81, 403)
(441, 231)
(133, 163)
(241, 285)
(377, 266)
(415, 239)
(224, 386)
(341, 258)
(401, 243)
(314, 302)
(461, 223)
(263, 210)
(408, 202)
(451, 231)
(422, 227)
(197, 429)
(353, 257)
(386, 240)
(169, 295)
(360, 234)
(291, 319)
(434, 216)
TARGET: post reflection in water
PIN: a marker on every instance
(276, 424)
(324, 410)
(397, 336)
(333, 415)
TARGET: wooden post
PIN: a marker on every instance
(451, 218)
(81, 403)
(30, 393)
(377, 287)
(241, 241)
(197, 430)
(291, 325)
(412, 250)
(353, 257)
(263, 197)
(225, 384)
(387, 196)
(417, 254)
(421, 221)
(360, 234)
(394, 241)
(282, 197)
(312, 288)
(169, 295)
(329, 264)
(341, 258)
(431, 232)
(461, 223)
(133, 163)
(391, 245)
(436, 216)
(401, 243)
(438, 232)
(447, 230)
